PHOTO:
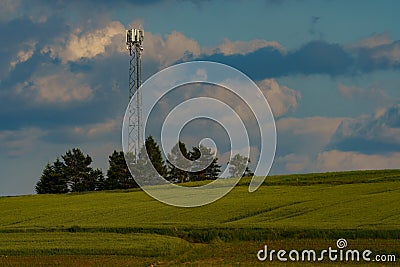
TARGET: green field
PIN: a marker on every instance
(123, 228)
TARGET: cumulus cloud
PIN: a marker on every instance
(282, 99)
(292, 163)
(336, 144)
(24, 54)
(335, 160)
(56, 88)
(166, 51)
(377, 52)
(371, 142)
(376, 134)
(109, 39)
(88, 44)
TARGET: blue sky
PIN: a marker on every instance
(330, 70)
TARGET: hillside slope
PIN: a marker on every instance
(352, 200)
(129, 228)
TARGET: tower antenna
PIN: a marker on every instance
(134, 44)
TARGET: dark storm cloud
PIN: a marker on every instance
(320, 58)
(263, 63)
(316, 57)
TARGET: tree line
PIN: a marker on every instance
(72, 172)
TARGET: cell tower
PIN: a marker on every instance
(134, 43)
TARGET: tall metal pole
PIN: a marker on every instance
(134, 43)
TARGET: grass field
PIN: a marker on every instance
(123, 228)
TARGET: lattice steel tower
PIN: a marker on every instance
(134, 44)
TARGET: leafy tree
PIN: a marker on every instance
(178, 162)
(118, 175)
(203, 158)
(80, 176)
(238, 166)
(53, 180)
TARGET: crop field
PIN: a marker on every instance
(129, 228)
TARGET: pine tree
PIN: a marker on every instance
(80, 176)
(118, 175)
(53, 180)
(155, 156)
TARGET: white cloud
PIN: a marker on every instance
(24, 55)
(245, 47)
(374, 139)
(88, 44)
(166, 51)
(176, 46)
(335, 160)
(110, 38)
(281, 99)
(293, 163)
(56, 88)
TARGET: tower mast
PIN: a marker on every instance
(134, 44)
